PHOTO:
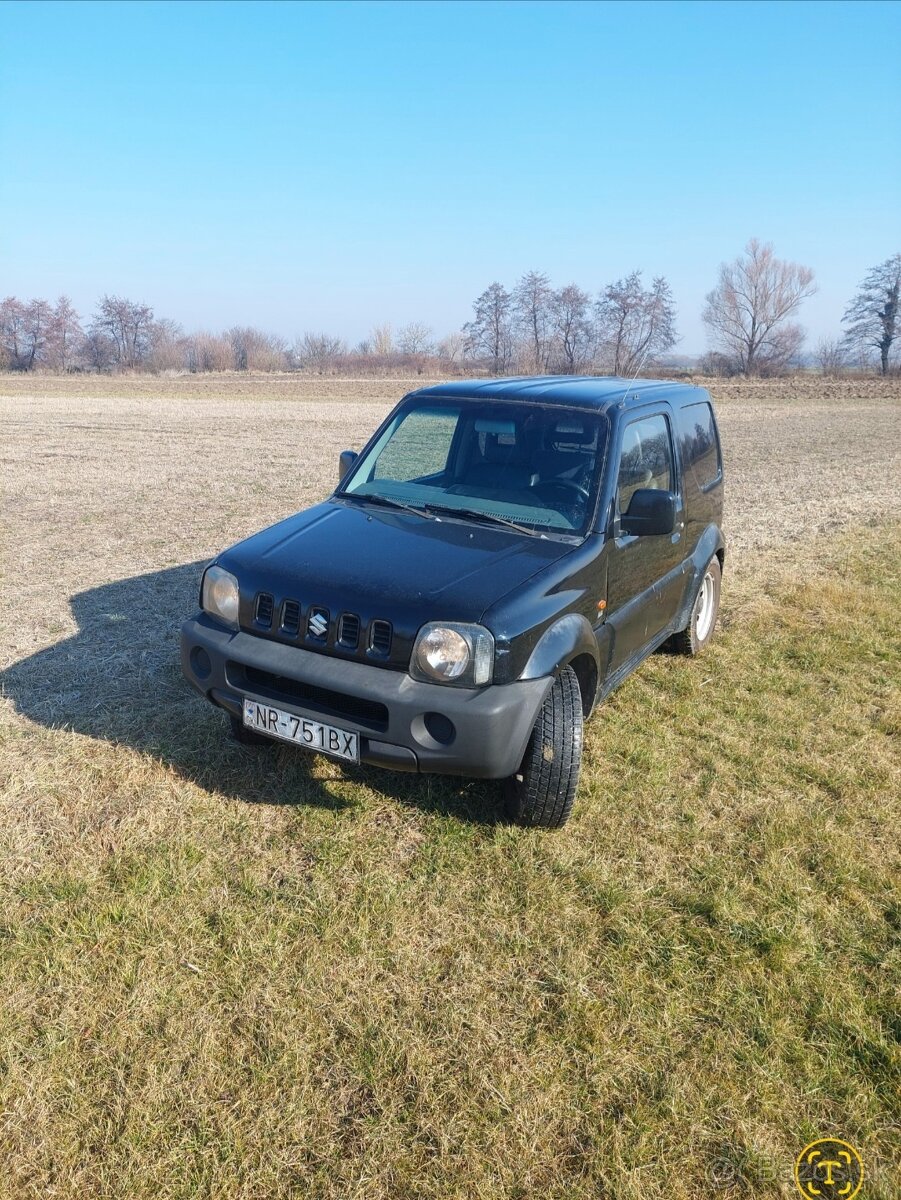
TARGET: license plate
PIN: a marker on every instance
(324, 739)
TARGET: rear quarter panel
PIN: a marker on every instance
(703, 491)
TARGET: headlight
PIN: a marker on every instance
(219, 596)
(448, 652)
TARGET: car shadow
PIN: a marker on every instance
(119, 679)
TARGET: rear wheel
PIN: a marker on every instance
(246, 736)
(695, 636)
(543, 790)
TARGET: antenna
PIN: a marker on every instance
(647, 348)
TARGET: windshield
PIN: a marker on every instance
(535, 466)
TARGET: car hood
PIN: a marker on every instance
(386, 564)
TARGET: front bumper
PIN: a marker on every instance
(393, 714)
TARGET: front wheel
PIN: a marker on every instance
(543, 790)
(705, 610)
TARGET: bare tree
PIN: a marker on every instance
(723, 366)
(319, 351)
(207, 352)
(242, 340)
(99, 350)
(635, 324)
(873, 317)
(254, 350)
(748, 311)
(489, 334)
(13, 339)
(533, 302)
(574, 335)
(128, 326)
(830, 355)
(450, 347)
(415, 339)
(382, 340)
(38, 319)
(167, 349)
(66, 335)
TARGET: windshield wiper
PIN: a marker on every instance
(476, 515)
(389, 503)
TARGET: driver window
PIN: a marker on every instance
(646, 460)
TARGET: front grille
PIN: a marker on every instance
(349, 631)
(286, 619)
(264, 609)
(290, 617)
(321, 700)
(380, 638)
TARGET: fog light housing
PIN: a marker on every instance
(433, 730)
(440, 727)
(200, 662)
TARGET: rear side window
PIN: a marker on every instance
(646, 460)
(700, 446)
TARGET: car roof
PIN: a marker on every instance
(600, 392)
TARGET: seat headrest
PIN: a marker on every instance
(569, 433)
(498, 452)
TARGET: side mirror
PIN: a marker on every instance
(346, 460)
(650, 512)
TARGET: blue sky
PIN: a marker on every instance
(308, 166)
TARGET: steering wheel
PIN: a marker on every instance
(567, 485)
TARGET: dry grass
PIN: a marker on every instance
(239, 974)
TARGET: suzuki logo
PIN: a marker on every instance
(318, 624)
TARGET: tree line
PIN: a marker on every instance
(750, 317)
(532, 328)
(537, 329)
(126, 335)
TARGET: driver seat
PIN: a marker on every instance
(567, 454)
(499, 470)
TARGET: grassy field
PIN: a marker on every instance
(235, 973)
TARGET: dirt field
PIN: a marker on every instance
(109, 478)
(240, 977)
(810, 388)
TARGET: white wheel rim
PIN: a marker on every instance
(704, 621)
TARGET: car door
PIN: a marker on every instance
(638, 565)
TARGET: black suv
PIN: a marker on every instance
(499, 556)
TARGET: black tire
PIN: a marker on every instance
(692, 639)
(543, 790)
(246, 736)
